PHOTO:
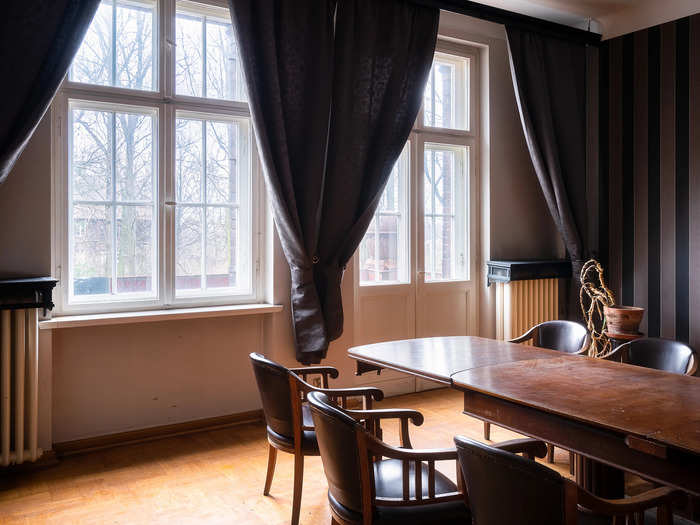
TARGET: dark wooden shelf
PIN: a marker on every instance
(505, 271)
(36, 292)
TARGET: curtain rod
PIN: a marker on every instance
(502, 16)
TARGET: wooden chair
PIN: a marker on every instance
(661, 354)
(504, 488)
(370, 482)
(289, 424)
(564, 336)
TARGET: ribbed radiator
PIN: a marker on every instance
(520, 305)
(19, 386)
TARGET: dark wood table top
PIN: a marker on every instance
(648, 403)
(438, 358)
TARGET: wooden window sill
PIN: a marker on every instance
(150, 316)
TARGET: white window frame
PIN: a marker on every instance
(165, 104)
(418, 138)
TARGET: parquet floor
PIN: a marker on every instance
(210, 477)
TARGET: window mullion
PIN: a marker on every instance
(114, 200)
(204, 56)
(114, 43)
(204, 207)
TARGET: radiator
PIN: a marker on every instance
(19, 386)
(520, 305)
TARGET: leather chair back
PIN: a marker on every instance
(337, 440)
(661, 354)
(506, 488)
(564, 336)
(273, 385)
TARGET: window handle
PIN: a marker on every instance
(170, 203)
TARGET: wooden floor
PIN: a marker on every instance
(209, 477)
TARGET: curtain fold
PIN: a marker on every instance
(287, 53)
(549, 77)
(334, 89)
(38, 39)
(383, 55)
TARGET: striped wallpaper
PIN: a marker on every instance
(649, 185)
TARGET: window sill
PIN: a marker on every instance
(150, 316)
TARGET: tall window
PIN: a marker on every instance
(435, 179)
(158, 198)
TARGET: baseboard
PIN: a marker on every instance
(78, 446)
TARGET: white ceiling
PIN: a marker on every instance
(609, 17)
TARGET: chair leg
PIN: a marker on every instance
(572, 463)
(271, 461)
(550, 453)
(487, 431)
(298, 482)
(664, 515)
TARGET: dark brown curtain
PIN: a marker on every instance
(38, 39)
(334, 89)
(549, 77)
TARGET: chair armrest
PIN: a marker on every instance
(525, 337)
(372, 420)
(387, 413)
(340, 395)
(530, 448)
(380, 448)
(615, 507)
(418, 457)
(324, 371)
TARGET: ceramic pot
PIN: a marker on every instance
(623, 319)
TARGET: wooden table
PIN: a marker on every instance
(641, 420)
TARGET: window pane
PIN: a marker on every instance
(445, 100)
(221, 248)
(91, 249)
(445, 212)
(368, 269)
(384, 248)
(135, 235)
(224, 75)
(207, 62)
(188, 248)
(112, 246)
(134, 160)
(222, 141)
(93, 61)
(134, 46)
(189, 65)
(91, 173)
(213, 243)
(118, 47)
(387, 261)
(188, 160)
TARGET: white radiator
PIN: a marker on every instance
(19, 386)
(520, 305)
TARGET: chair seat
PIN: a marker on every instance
(309, 444)
(388, 478)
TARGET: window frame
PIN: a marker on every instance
(421, 135)
(166, 103)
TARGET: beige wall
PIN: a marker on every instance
(119, 378)
(25, 210)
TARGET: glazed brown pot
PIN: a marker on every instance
(623, 319)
